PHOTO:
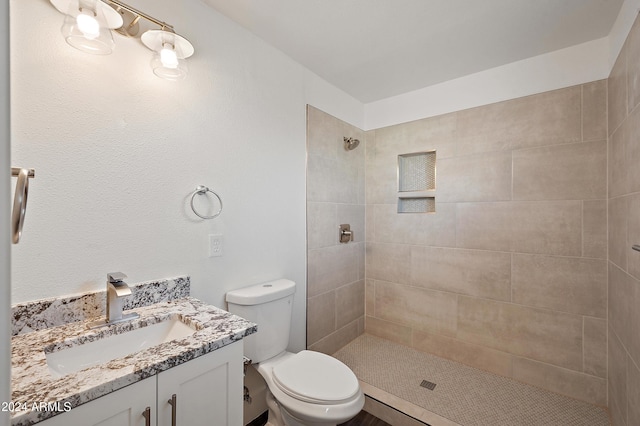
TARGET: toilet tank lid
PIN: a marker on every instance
(262, 293)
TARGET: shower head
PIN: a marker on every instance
(350, 143)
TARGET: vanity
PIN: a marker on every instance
(179, 363)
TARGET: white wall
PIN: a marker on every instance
(563, 68)
(118, 152)
(5, 251)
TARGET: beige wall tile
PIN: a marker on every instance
(331, 267)
(561, 172)
(624, 315)
(485, 177)
(369, 224)
(621, 297)
(484, 225)
(321, 225)
(595, 346)
(594, 111)
(437, 229)
(617, 91)
(633, 66)
(577, 385)
(321, 178)
(370, 298)
(618, 231)
(321, 316)
(335, 341)
(547, 227)
(389, 400)
(472, 272)
(421, 309)
(392, 227)
(349, 303)
(633, 235)
(631, 135)
(388, 262)
(431, 133)
(633, 393)
(352, 214)
(335, 191)
(594, 229)
(323, 133)
(388, 414)
(539, 334)
(618, 176)
(359, 248)
(381, 184)
(388, 330)
(345, 181)
(544, 227)
(382, 161)
(617, 419)
(566, 284)
(617, 368)
(370, 143)
(434, 229)
(466, 353)
(417, 136)
(543, 119)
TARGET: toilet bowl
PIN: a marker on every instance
(312, 388)
(306, 388)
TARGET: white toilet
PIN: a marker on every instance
(305, 389)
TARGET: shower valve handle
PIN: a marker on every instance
(346, 234)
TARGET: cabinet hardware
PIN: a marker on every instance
(174, 408)
(147, 416)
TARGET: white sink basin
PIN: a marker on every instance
(76, 358)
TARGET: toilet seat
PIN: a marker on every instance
(315, 378)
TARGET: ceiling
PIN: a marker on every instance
(374, 49)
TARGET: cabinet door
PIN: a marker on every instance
(207, 389)
(124, 407)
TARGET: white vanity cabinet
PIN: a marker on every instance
(206, 391)
(124, 407)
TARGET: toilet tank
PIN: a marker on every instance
(269, 305)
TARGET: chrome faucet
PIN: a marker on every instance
(117, 289)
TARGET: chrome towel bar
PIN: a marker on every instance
(20, 201)
(16, 170)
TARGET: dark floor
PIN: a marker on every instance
(362, 419)
(365, 419)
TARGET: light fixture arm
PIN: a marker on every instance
(116, 4)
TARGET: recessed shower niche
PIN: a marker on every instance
(417, 182)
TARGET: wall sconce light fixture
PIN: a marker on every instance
(88, 23)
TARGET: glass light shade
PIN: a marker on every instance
(167, 65)
(86, 29)
(169, 53)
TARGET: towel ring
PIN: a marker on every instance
(202, 190)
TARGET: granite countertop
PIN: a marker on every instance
(32, 382)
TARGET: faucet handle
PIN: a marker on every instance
(115, 277)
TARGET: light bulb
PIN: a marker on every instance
(88, 25)
(168, 57)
